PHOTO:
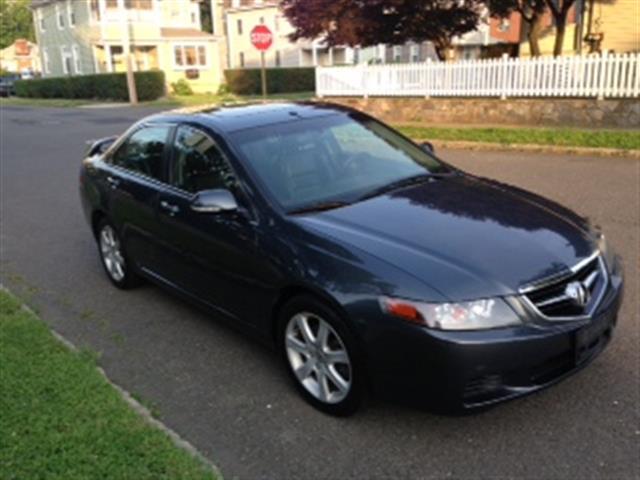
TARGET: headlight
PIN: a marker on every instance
(606, 252)
(475, 315)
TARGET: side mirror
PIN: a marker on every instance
(214, 201)
(98, 147)
(427, 147)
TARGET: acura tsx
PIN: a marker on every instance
(367, 262)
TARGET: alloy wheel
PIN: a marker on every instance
(318, 357)
(112, 254)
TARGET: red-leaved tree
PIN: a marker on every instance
(370, 22)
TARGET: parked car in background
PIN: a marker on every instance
(7, 85)
(366, 261)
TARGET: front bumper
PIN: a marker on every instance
(453, 371)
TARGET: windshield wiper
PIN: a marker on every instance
(405, 182)
(319, 207)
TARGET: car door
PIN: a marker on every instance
(134, 174)
(216, 257)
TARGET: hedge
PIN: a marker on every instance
(246, 81)
(104, 86)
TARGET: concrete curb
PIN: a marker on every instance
(137, 407)
(531, 148)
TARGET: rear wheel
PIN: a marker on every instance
(320, 354)
(114, 260)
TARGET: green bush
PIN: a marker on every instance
(181, 87)
(102, 86)
(246, 81)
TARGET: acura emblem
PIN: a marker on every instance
(577, 293)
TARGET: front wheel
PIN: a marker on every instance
(114, 260)
(320, 354)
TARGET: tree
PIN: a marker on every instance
(370, 22)
(560, 11)
(530, 11)
(15, 21)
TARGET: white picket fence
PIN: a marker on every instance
(613, 75)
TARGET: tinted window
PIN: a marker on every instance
(198, 163)
(331, 158)
(143, 151)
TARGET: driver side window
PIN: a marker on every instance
(198, 163)
(143, 151)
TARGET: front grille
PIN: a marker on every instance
(553, 301)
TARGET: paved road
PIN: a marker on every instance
(229, 396)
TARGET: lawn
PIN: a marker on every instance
(566, 137)
(59, 418)
(171, 101)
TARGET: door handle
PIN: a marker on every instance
(113, 182)
(172, 209)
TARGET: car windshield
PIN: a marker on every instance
(326, 162)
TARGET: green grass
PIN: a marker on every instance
(209, 98)
(566, 137)
(43, 102)
(171, 101)
(60, 419)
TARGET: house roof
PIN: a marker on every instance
(184, 33)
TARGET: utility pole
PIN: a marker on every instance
(126, 51)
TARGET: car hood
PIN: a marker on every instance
(464, 237)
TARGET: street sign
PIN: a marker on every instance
(261, 37)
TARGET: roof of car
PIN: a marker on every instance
(235, 117)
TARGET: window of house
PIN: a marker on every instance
(71, 13)
(67, 59)
(111, 4)
(77, 61)
(278, 61)
(414, 52)
(143, 152)
(397, 53)
(190, 56)
(241, 59)
(45, 61)
(194, 17)
(138, 4)
(60, 17)
(199, 164)
(41, 20)
(239, 27)
(261, 20)
(95, 10)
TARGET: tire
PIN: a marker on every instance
(111, 253)
(322, 360)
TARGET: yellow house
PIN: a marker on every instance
(89, 36)
(615, 24)
(606, 25)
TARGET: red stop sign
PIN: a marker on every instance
(261, 37)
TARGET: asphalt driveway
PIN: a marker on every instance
(229, 396)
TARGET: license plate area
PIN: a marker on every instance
(591, 338)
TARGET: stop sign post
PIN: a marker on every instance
(262, 38)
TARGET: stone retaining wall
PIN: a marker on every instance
(543, 112)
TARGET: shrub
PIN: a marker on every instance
(246, 81)
(102, 86)
(181, 87)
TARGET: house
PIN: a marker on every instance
(612, 26)
(22, 56)
(593, 26)
(78, 37)
(240, 16)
